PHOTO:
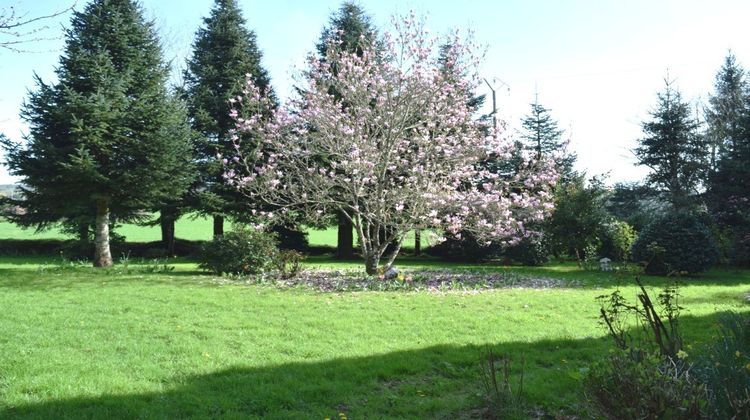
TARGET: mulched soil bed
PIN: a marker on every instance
(407, 280)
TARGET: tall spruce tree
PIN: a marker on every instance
(542, 136)
(224, 52)
(726, 109)
(351, 27)
(106, 140)
(729, 182)
(673, 149)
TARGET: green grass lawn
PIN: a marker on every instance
(188, 227)
(80, 343)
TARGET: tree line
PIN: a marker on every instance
(111, 142)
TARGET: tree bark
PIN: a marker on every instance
(167, 218)
(345, 243)
(218, 226)
(371, 264)
(417, 242)
(102, 253)
(83, 232)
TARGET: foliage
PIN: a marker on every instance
(672, 148)
(636, 204)
(502, 398)
(617, 240)
(725, 368)
(224, 52)
(675, 243)
(542, 137)
(294, 238)
(726, 110)
(660, 326)
(620, 387)
(648, 376)
(241, 251)
(531, 251)
(466, 248)
(728, 191)
(106, 139)
(410, 162)
(579, 219)
(287, 263)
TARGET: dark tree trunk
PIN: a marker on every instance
(83, 232)
(218, 226)
(345, 244)
(167, 231)
(102, 253)
(417, 242)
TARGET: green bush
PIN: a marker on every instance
(725, 369)
(465, 249)
(530, 252)
(654, 387)
(648, 376)
(242, 251)
(677, 242)
(617, 239)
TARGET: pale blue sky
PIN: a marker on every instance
(596, 64)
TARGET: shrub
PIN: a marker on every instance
(242, 251)
(530, 251)
(466, 249)
(725, 369)
(617, 239)
(647, 377)
(654, 387)
(291, 238)
(676, 242)
(287, 263)
(503, 399)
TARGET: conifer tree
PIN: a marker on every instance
(352, 28)
(106, 140)
(728, 192)
(224, 52)
(542, 136)
(672, 148)
(726, 108)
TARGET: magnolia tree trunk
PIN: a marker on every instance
(380, 246)
(102, 254)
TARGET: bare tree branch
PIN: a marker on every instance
(20, 28)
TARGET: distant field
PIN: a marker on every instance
(189, 228)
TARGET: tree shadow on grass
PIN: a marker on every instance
(434, 382)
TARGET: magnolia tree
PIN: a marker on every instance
(388, 139)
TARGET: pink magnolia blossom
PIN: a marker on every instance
(396, 148)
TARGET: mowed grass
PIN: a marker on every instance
(81, 343)
(191, 228)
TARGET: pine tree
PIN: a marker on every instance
(672, 148)
(542, 136)
(105, 141)
(352, 28)
(728, 192)
(725, 110)
(224, 52)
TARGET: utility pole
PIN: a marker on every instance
(494, 105)
(494, 99)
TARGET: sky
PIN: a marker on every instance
(597, 65)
